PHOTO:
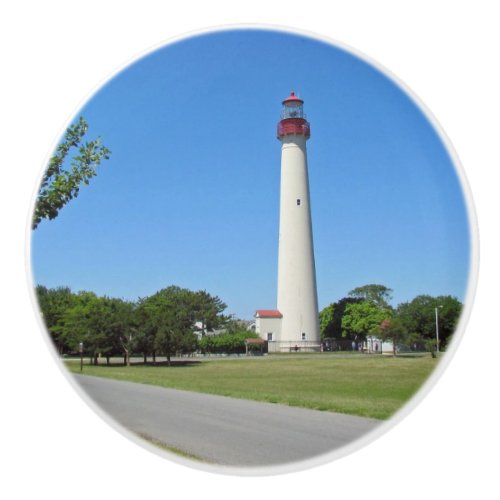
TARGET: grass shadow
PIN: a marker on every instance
(157, 364)
(173, 364)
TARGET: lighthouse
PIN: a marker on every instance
(294, 324)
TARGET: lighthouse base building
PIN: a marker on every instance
(268, 324)
(294, 325)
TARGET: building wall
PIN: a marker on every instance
(263, 326)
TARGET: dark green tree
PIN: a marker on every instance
(144, 331)
(325, 320)
(53, 304)
(207, 309)
(118, 327)
(419, 316)
(330, 319)
(60, 184)
(170, 318)
(85, 321)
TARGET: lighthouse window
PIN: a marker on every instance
(270, 336)
(303, 336)
(292, 111)
(298, 201)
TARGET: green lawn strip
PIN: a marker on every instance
(369, 386)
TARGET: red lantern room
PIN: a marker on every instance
(293, 120)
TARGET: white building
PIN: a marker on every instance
(294, 325)
(268, 324)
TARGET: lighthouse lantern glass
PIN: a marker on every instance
(292, 110)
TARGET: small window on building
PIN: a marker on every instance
(298, 201)
(303, 336)
(270, 336)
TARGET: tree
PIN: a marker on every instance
(118, 327)
(53, 304)
(330, 319)
(380, 295)
(363, 318)
(325, 320)
(170, 319)
(394, 330)
(208, 310)
(419, 317)
(85, 322)
(60, 185)
(144, 332)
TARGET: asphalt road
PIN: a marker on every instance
(223, 430)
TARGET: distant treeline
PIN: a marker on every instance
(366, 312)
(165, 323)
(178, 321)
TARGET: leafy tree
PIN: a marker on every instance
(118, 327)
(170, 319)
(331, 319)
(363, 318)
(110, 326)
(208, 310)
(144, 332)
(85, 322)
(325, 320)
(53, 305)
(60, 185)
(394, 330)
(419, 317)
(380, 295)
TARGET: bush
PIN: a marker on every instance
(230, 343)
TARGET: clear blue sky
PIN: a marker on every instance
(190, 195)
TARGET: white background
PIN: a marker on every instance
(54, 53)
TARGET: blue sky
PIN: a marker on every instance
(190, 195)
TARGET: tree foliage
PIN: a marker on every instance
(59, 184)
(380, 295)
(419, 316)
(331, 319)
(226, 342)
(395, 331)
(169, 318)
(53, 303)
(84, 322)
(208, 310)
(163, 323)
(365, 308)
(326, 320)
(363, 318)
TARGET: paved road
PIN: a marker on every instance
(224, 430)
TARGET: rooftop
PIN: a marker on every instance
(268, 313)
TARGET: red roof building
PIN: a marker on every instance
(268, 313)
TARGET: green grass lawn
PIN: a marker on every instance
(365, 385)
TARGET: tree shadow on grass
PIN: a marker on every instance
(173, 364)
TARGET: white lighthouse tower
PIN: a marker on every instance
(294, 325)
(297, 295)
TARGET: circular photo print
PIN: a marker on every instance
(251, 250)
